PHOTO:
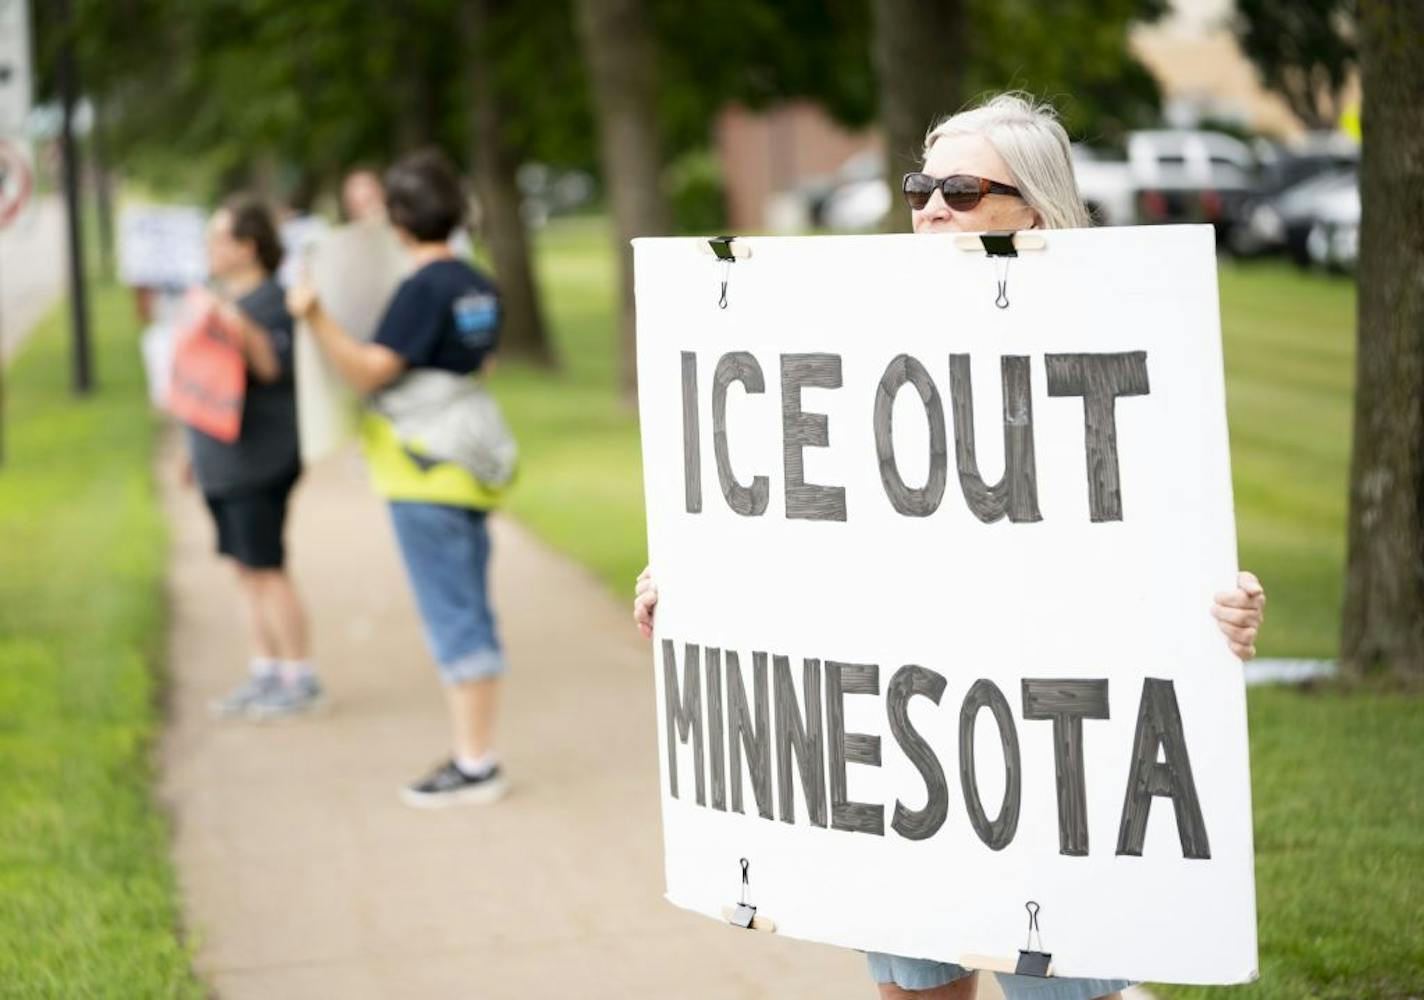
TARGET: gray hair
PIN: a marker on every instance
(1027, 134)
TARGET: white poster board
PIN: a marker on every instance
(914, 695)
(162, 246)
(16, 86)
(355, 269)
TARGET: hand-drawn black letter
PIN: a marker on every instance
(1159, 725)
(1099, 379)
(1068, 703)
(857, 748)
(909, 681)
(691, 436)
(737, 366)
(1016, 492)
(743, 733)
(712, 661)
(800, 734)
(914, 502)
(683, 713)
(799, 430)
(1000, 832)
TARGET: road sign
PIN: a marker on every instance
(16, 181)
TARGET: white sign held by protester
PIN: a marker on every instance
(16, 88)
(355, 269)
(934, 634)
(162, 246)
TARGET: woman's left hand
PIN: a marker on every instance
(1239, 614)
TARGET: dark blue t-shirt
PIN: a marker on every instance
(267, 450)
(445, 315)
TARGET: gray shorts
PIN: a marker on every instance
(926, 974)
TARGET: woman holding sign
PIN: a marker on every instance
(426, 434)
(246, 481)
(1002, 166)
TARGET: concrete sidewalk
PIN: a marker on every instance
(302, 874)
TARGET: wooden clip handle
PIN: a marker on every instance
(759, 922)
(1023, 240)
(736, 245)
(989, 963)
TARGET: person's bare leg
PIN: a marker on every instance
(960, 989)
(472, 714)
(285, 616)
(259, 632)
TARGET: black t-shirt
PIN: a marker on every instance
(266, 451)
(445, 315)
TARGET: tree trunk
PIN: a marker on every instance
(919, 50)
(1383, 627)
(523, 333)
(620, 52)
(103, 194)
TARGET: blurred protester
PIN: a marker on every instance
(439, 328)
(299, 231)
(248, 481)
(363, 196)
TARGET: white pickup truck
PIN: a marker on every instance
(1167, 175)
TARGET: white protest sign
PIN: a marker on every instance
(15, 69)
(355, 269)
(162, 246)
(917, 691)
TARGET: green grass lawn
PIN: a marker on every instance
(1339, 778)
(1338, 797)
(581, 478)
(87, 897)
(1289, 341)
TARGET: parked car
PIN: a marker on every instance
(857, 197)
(1105, 182)
(1283, 168)
(1284, 223)
(1184, 175)
(1334, 238)
(1167, 175)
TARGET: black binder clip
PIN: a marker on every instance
(1000, 246)
(743, 913)
(1031, 962)
(722, 250)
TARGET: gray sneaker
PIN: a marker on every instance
(284, 700)
(240, 700)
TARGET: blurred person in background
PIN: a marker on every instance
(440, 328)
(247, 483)
(363, 196)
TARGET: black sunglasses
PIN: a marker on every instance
(961, 191)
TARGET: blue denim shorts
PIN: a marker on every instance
(926, 974)
(446, 551)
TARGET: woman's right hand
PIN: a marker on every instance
(301, 300)
(645, 600)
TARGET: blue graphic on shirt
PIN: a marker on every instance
(476, 319)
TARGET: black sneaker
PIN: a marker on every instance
(447, 785)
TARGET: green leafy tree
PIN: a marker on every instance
(1305, 51)
(1073, 53)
